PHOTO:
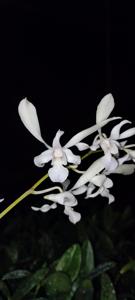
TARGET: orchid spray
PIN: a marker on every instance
(61, 160)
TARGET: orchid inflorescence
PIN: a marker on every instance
(94, 181)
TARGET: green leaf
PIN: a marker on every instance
(17, 274)
(30, 282)
(57, 283)
(107, 288)
(130, 266)
(87, 264)
(4, 290)
(102, 269)
(70, 262)
(85, 290)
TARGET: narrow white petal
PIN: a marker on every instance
(43, 158)
(1, 200)
(86, 132)
(125, 169)
(104, 108)
(129, 146)
(127, 133)
(71, 158)
(93, 170)
(74, 216)
(35, 208)
(93, 195)
(91, 188)
(96, 143)
(28, 115)
(115, 133)
(82, 146)
(58, 173)
(80, 136)
(56, 140)
(80, 190)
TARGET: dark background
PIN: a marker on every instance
(64, 61)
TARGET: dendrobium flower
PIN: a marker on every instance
(103, 183)
(113, 144)
(67, 199)
(58, 155)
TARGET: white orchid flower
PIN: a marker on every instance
(67, 199)
(95, 179)
(58, 155)
(111, 145)
(103, 183)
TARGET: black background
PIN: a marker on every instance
(64, 61)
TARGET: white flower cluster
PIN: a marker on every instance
(94, 181)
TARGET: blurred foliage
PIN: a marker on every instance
(43, 256)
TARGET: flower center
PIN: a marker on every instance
(58, 153)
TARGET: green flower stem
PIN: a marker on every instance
(23, 196)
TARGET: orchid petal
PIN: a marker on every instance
(74, 216)
(130, 146)
(43, 158)
(114, 147)
(110, 163)
(104, 108)
(93, 170)
(80, 190)
(45, 207)
(81, 135)
(56, 140)
(108, 183)
(65, 198)
(86, 132)
(126, 169)
(98, 180)
(93, 195)
(127, 133)
(124, 158)
(58, 173)
(106, 193)
(71, 158)
(82, 146)
(2, 199)
(130, 152)
(115, 133)
(28, 115)
(91, 188)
